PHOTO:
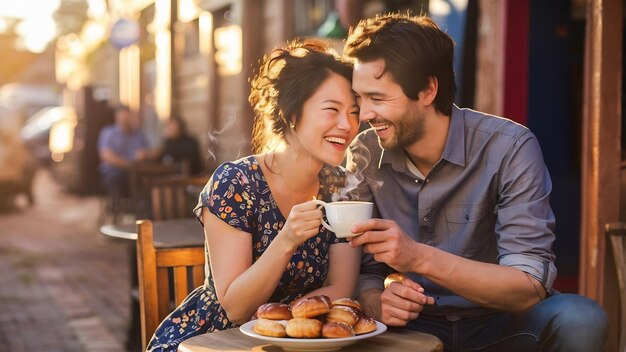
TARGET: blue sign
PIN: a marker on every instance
(124, 33)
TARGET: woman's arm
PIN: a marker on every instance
(343, 272)
(241, 286)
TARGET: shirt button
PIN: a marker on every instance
(427, 180)
(426, 219)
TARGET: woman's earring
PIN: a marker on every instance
(292, 125)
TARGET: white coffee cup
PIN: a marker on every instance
(343, 215)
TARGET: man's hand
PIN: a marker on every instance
(388, 243)
(402, 302)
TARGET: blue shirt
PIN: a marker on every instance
(487, 199)
(123, 144)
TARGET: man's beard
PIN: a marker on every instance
(408, 130)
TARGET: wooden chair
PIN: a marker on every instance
(174, 197)
(141, 176)
(617, 236)
(137, 202)
(160, 270)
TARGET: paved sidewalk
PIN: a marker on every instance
(63, 286)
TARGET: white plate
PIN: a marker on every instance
(291, 344)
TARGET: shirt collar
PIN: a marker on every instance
(454, 151)
(397, 159)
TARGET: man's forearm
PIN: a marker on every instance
(111, 158)
(370, 302)
(490, 285)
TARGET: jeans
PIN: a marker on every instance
(116, 182)
(563, 322)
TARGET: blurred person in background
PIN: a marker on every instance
(261, 226)
(180, 148)
(120, 145)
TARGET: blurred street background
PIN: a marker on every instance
(63, 286)
(66, 64)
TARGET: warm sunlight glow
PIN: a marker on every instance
(36, 33)
(187, 10)
(163, 90)
(62, 137)
(228, 48)
(97, 8)
(93, 33)
(36, 26)
(129, 76)
(27, 8)
(205, 24)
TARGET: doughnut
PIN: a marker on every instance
(393, 278)
(333, 330)
(349, 302)
(309, 307)
(364, 325)
(274, 311)
(343, 314)
(304, 328)
(270, 328)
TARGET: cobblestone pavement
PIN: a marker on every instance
(63, 286)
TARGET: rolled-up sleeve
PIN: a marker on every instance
(372, 274)
(525, 221)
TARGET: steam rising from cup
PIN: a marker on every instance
(354, 175)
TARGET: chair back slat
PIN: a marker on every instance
(170, 197)
(170, 201)
(181, 284)
(198, 275)
(181, 198)
(166, 277)
(141, 176)
(163, 291)
(617, 237)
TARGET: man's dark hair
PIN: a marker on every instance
(413, 48)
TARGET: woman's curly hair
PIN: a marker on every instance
(287, 77)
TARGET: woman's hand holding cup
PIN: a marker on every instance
(342, 216)
(303, 222)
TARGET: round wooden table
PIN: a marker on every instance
(167, 233)
(234, 340)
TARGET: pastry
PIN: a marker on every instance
(349, 302)
(270, 328)
(274, 311)
(309, 307)
(391, 278)
(335, 330)
(304, 328)
(343, 314)
(364, 325)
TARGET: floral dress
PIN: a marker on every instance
(239, 194)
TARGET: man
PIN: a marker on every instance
(120, 145)
(463, 199)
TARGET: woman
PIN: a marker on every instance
(179, 147)
(265, 243)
